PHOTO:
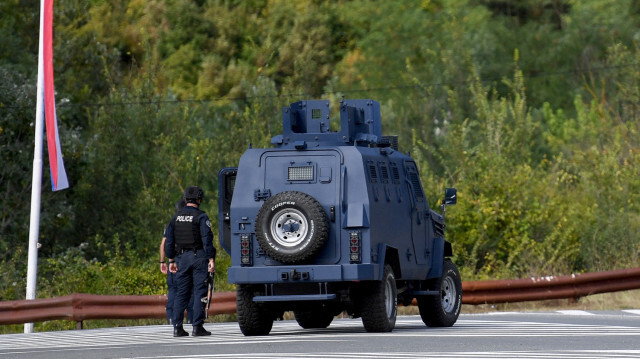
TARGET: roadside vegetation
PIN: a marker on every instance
(530, 108)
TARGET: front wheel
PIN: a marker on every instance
(380, 304)
(443, 310)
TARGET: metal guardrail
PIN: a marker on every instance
(79, 307)
(552, 287)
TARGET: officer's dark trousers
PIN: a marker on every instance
(191, 279)
(172, 285)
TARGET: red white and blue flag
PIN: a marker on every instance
(58, 174)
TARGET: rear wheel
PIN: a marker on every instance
(380, 304)
(443, 310)
(253, 318)
(314, 319)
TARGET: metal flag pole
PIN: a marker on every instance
(36, 187)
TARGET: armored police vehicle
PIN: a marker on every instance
(330, 222)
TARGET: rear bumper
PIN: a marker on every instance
(303, 274)
(294, 298)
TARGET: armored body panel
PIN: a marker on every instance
(325, 221)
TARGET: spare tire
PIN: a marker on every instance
(291, 227)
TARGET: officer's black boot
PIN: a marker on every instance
(178, 331)
(199, 331)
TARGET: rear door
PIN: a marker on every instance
(226, 184)
(316, 173)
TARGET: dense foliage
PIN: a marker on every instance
(529, 108)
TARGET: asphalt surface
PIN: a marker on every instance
(558, 334)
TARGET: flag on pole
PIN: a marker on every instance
(45, 106)
(58, 174)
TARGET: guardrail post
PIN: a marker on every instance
(575, 300)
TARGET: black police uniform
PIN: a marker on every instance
(172, 286)
(190, 243)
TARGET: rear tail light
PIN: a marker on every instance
(355, 248)
(245, 250)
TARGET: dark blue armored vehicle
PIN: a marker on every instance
(331, 222)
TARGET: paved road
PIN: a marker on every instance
(561, 334)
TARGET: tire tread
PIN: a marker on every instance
(430, 307)
(374, 313)
(315, 212)
(252, 319)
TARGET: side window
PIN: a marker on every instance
(384, 172)
(395, 173)
(414, 179)
(373, 171)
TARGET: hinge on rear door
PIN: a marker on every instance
(261, 195)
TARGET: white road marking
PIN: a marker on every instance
(342, 330)
(500, 313)
(565, 354)
(574, 312)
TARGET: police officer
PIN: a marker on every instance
(189, 247)
(171, 277)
